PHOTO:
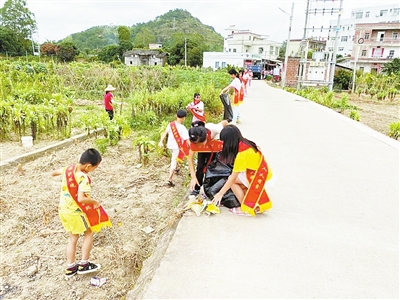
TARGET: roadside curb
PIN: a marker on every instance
(37, 153)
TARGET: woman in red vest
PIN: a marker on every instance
(249, 175)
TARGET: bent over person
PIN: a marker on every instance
(203, 141)
(249, 176)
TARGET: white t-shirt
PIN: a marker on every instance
(215, 129)
(199, 105)
(236, 83)
(183, 132)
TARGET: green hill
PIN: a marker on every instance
(166, 29)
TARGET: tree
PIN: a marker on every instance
(143, 38)
(7, 41)
(195, 46)
(124, 40)
(109, 53)
(124, 34)
(17, 17)
(282, 50)
(342, 78)
(66, 51)
(392, 67)
(48, 48)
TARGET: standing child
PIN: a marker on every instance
(177, 143)
(108, 101)
(237, 86)
(197, 109)
(79, 213)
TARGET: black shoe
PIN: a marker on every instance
(170, 183)
(194, 192)
(88, 268)
(69, 272)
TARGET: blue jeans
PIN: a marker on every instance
(236, 113)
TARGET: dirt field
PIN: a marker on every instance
(139, 203)
(136, 198)
(377, 115)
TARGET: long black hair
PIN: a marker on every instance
(234, 72)
(231, 136)
(197, 134)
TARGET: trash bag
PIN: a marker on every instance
(217, 174)
(228, 112)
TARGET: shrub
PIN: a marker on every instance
(394, 130)
(373, 92)
(354, 115)
(343, 78)
(392, 92)
(102, 144)
(381, 95)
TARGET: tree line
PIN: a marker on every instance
(108, 44)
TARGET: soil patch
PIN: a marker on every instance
(374, 114)
(139, 203)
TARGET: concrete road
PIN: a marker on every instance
(333, 230)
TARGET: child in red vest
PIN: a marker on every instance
(79, 213)
(197, 109)
(177, 143)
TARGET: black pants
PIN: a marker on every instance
(202, 159)
(110, 114)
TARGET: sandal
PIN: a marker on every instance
(237, 211)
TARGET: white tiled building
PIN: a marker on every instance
(363, 15)
(241, 48)
(244, 41)
(375, 45)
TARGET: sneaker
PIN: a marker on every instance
(88, 268)
(69, 272)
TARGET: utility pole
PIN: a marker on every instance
(333, 63)
(353, 81)
(185, 53)
(283, 82)
(303, 57)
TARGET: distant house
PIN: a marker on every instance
(145, 58)
(244, 41)
(375, 45)
(295, 46)
(155, 46)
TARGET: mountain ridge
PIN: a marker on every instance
(175, 24)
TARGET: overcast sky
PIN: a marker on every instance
(56, 19)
